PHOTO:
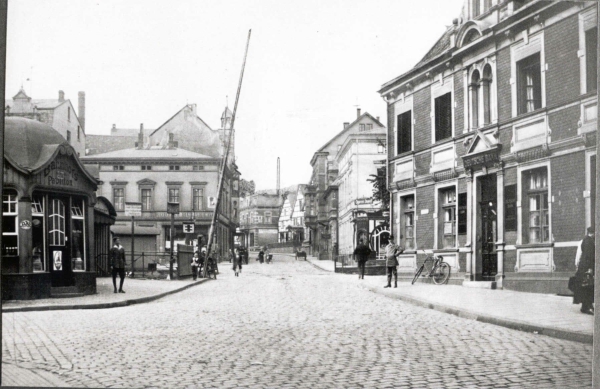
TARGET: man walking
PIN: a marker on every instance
(362, 251)
(117, 261)
(584, 292)
(392, 250)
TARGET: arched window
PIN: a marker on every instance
(486, 92)
(474, 93)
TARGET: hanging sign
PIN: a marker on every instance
(25, 225)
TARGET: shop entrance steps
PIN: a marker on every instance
(64, 291)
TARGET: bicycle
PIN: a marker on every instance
(439, 272)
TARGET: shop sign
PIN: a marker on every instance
(486, 158)
(57, 260)
(133, 209)
(188, 228)
(25, 224)
(61, 172)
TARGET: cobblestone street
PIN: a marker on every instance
(286, 324)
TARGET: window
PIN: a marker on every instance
(448, 211)
(197, 199)
(475, 8)
(486, 94)
(380, 149)
(77, 234)
(443, 117)
(197, 167)
(474, 93)
(173, 167)
(69, 113)
(404, 135)
(536, 217)
(68, 136)
(529, 84)
(408, 221)
(10, 232)
(146, 196)
(361, 127)
(118, 167)
(369, 127)
(56, 223)
(173, 195)
(146, 167)
(591, 59)
(37, 233)
(462, 213)
(267, 217)
(119, 199)
(510, 207)
(78, 133)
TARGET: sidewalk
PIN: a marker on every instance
(538, 313)
(136, 291)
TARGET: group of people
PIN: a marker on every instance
(392, 250)
(263, 255)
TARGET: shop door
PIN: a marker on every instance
(489, 256)
(61, 272)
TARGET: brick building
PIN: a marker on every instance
(492, 145)
(338, 206)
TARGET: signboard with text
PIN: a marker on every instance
(133, 209)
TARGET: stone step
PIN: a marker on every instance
(64, 291)
(480, 284)
(65, 295)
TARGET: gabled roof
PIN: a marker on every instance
(366, 114)
(441, 46)
(171, 118)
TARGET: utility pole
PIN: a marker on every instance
(172, 208)
(596, 358)
(211, 232)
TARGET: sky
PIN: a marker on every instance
(310, 65)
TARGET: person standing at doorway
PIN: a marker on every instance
(392, 250)
(584, 292)
(362, 253)
(117, 261)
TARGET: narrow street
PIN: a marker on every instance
(286, 324)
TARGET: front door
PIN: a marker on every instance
(488, 206)
(59, 245)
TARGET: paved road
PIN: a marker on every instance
(287, 324)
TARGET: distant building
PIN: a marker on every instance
(259, 216)
(339, 206)
(291, 217)
(155, 172)
(119, 139)
(57, 113)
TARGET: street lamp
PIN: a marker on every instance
(173, 209)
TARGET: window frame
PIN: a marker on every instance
(82, 218)
(445, 206)
(523, 201)
(526, 47)
(441, 87)
(119, 206)
(405, 212)
(10, 192)
(588, 19)
(525, 66)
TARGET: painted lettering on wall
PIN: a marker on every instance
(60, 172)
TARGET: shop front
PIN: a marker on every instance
(47, 215)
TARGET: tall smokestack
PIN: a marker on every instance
(278, 175)
(81, 110)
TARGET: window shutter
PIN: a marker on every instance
(443, 117)
(404, 132)
(510, 207)
(462, 213)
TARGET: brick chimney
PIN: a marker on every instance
(346, 125)
(61, 96)
(81, 110)
(140, 143)
(357, 113)
(114, 128)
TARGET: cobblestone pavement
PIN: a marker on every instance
(286, 324)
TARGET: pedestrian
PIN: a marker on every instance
(195, 265)
(362, 251)
(584, 276)
(117, 262)
(261, 256)
(268, 256)
(237, 264)
(392, 250)
(202, 258)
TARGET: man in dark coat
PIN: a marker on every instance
(362, 252)
(117, 261)
(585, 293)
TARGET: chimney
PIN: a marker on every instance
(377, 118)
(81, 110)
(346, 125)
(61, 96)
(357, 112)
(140, 142)
(114, 128)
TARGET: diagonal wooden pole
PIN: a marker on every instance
(224, 160)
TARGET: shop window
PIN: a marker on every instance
(197, 199)
(536, 216)
(119, 199)
(443, 117)
(510, 207)
(462, 213)
(173, 195)
(56, 223)
(408, 221)
(404, 135)
(529, 84)
(37, 233)
(448, 214)
(591, 59)
(146, 197)
(77, 234)
(10, 232)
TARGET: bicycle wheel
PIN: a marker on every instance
(441, 273)
(417, 274)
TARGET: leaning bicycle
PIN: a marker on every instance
(434, 267)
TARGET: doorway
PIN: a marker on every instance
(59, 242)
(487, 222)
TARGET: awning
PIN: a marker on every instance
(126, 230)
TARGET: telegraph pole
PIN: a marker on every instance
(211, 232)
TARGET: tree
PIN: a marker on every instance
(380, 191)
(246, 188)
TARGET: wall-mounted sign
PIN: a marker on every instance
(61, 172)
(25, 224)
(212, 202)
(188, 228)
(133, 209)
(57, 260)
